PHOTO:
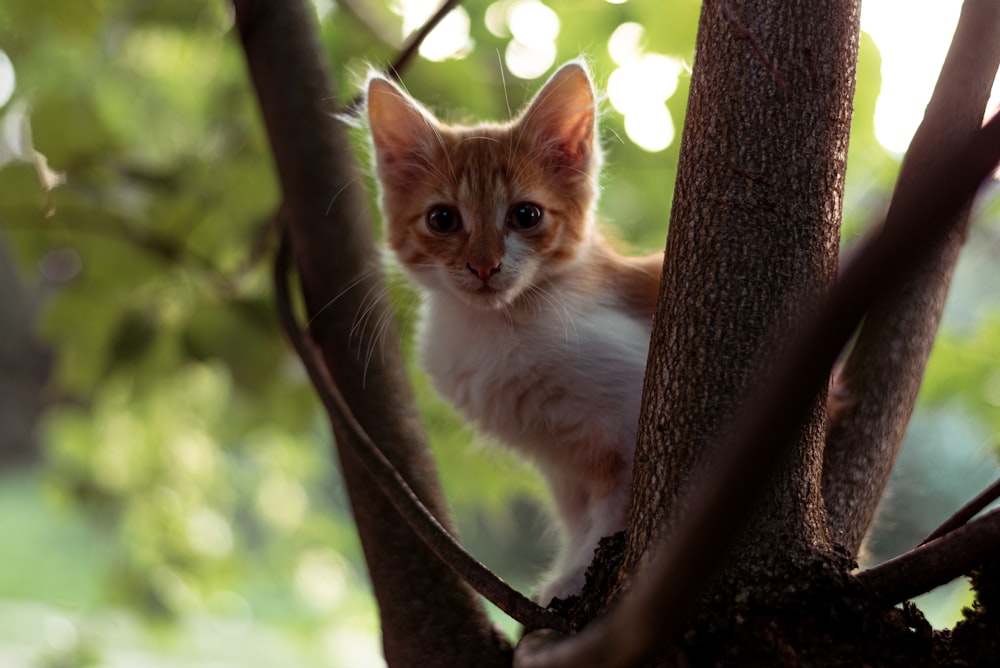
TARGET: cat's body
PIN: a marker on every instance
(532, 327)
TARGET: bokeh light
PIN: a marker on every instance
(449, 39)
(532, 27)
(7, 78)
(912, 38)
(640, 87)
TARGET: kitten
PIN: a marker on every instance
(533, 327)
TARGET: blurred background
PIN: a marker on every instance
(168, 496)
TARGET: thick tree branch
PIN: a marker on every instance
(662, 594)
(882, 375)
(751, 250)
(429, 616)
(392, 484)
(935, 563)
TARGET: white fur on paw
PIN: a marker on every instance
(569, 584)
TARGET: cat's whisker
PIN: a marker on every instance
(375, 341)
(347, 288)
(367, 306)
(560, 308)
(350, 182)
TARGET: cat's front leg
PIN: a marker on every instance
(588, 517)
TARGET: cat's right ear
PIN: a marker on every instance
(402, 132)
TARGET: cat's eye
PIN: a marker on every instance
(444, 219)
(524, 216)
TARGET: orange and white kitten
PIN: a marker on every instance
(532, 326)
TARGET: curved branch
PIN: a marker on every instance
(935, 563)
(427, 612)
(882, 375)
(665, 589)
(392, 484)
(966, 512)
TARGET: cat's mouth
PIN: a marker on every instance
(487, 296)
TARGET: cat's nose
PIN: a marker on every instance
(484, 270)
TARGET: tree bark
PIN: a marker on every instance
(752, 247)
(881, 377)
(429, 616)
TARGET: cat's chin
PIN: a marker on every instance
(487, 298)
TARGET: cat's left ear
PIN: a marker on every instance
(403, 133)
(563, 116)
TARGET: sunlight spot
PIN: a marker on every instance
(282, 501)
(496, 19)
(194, 454)
(625, 43)
(652, 78)
(534, 27)
(449, 39)
(208, 532)
(323, 8)
(15, 134)
(352, 645)
(532, 22)
(616, 2)
(529, 62)
(7, 78)
(321, 579)
(639, 90)
(913, 39)
(60, 633)
(650, 127)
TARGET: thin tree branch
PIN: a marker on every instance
(665, 588)
(882, 375)
(935, 563)
(408, 53)
(966, 512)
(392, 484)
(402, 61)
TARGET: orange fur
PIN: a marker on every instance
(534, 327)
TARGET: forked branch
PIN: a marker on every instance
(966, 512)
(653, 609)
(936, 562)
(882, 375)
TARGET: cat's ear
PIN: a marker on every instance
(403, 133)
(563, 118)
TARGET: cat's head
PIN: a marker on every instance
(488, 213)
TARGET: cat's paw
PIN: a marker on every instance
(566, 585)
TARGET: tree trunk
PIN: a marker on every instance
(752, 247)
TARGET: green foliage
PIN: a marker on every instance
(180, 427)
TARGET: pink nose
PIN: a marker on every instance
(484, 270)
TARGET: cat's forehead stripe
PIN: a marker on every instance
(483, 171)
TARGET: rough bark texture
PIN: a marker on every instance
(429, 617)
(881, 378)
(752, 245)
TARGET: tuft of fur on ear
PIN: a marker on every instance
(563, 118)
(403, 132)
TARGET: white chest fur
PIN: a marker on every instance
(546, 382)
